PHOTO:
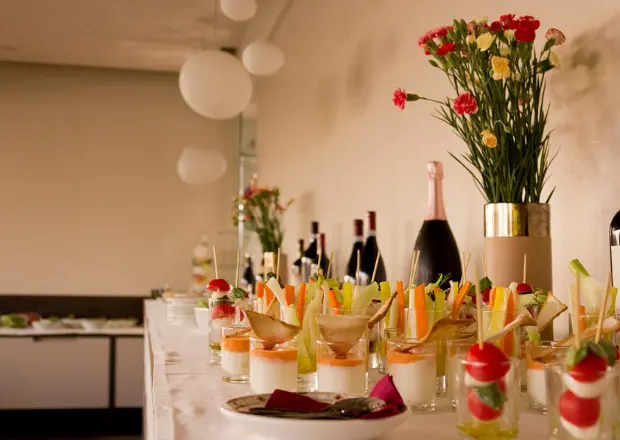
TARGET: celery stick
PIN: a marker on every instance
(347, 295)
(430, 311)
(292, 315)
(411, 301)
(613, 293)
(440, 304)
(385, 295)
(393, 315)
(364, 297)
(277, 291)
(577, 268)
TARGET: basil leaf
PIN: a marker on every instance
(595, 348)
(485, 283)
(610, 351)
(202, 304)
(236, 292)
(574, 355)
(491, 395)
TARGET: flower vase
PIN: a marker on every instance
(512, 230)
(271, 264)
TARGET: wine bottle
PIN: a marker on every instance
(248, 280)
(358, 246)
(322, 256)
(370, 252)
(297, 264)
(439, 253)
(614, 249)
(311, 253)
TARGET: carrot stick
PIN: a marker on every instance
(583, 320)
(492, 297)
(289, 294)
(301, 302)
(268, 296)
(400, 303)
(260, 289)
(511, 313)
(421, 320)
(333, 302)
(458, 300)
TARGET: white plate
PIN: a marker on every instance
(287, 429)
(46, 324)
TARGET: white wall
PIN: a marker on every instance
(329, 135)
(90, 200)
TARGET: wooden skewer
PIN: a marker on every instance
(524, 268)
(278, 266)
(484, 264)
(603, 312)
(237, 270)
(576, 303)
(465, 265)
(478, 309)
(374, 271)
(357, 271)
(215, 263)
(413, 258)
(415, 267)
(318, 269)
(329, 266)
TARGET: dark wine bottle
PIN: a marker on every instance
(248, 280)
(297, 264)
(358, 246)
(370, 252)
(614, 249)
(439, 253)
(311, 253)
(322, 256)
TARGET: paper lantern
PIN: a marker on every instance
(262, 58)
(201, 167)
(238, 10)
(215, 85)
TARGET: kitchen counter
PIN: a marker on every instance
(184, 392)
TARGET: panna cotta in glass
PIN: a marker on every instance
(222, 312)
(342, 373)
(535, 359)
(235, 354)
(272, 368)
(413, 369)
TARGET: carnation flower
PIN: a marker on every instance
(489, 139)
(557, 35)
(445, 49)
(501, 68)
(400, 98)
(484, 41)
(465, 103)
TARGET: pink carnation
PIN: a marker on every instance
(557, 35)
(400, 98)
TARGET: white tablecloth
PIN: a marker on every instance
(186, 393)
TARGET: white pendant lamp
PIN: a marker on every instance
(197, 166)
(262, 58)
(238, 10)
(215, 84)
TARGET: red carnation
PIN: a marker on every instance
(470, 27)
(526, 29)
(445, 49)
(424, 39)
(530, 21)
(399, 99)
(465, 103)
(507, 18)
(441, 31)
(557, 35)
(496, 26)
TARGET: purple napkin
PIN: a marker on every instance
(287, 401)
(386, 391)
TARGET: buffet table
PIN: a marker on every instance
(184, 392)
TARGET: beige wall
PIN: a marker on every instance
(329, 135)
(90, 200)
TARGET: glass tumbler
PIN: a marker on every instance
(340, 373)
(222, 313)
(456, 350)
(235, 354)
(273, 367)
(535, 361)
(487, 399)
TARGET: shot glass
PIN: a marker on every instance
(338, 372)
(235, 354)
(456, 350)
(222, 313)
(273, 367)
(581, 410)
(487, 409)
(537, 355)
(413, 368)
(418, 322)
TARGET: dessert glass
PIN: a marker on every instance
(346, 374)
(412, 371)
(456, 350)
(235, 355)
(537, 385)
(273, 368)
(223, 312)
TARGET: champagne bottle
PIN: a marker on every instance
(439, 253)
(370, 253)
(358, 246)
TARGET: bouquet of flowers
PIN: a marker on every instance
(261, 211)
(499, 106)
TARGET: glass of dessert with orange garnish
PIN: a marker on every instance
(235, 354)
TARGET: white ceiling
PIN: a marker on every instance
(131, 34)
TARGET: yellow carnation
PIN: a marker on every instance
(554, 59)
(509, 33)
(484, 41)
(470, 38)
(501, 70)
(504, 51)
(482, 20)
(489, 139)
